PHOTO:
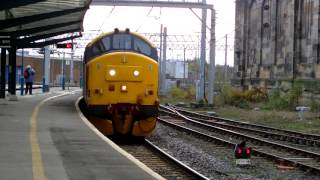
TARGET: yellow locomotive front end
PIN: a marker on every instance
(122, 90)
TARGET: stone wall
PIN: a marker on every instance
(277, 43)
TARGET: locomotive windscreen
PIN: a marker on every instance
(119, 42)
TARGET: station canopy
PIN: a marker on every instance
(37, 23)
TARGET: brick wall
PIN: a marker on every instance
(55, 69)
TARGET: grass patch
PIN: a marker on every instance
(256, 106)
(278, 119)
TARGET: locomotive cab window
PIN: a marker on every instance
(121, 41)
(106, 41)
(97, 49)
(142, 47)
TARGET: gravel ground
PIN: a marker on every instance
(209, 158)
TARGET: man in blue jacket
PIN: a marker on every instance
(29, 77)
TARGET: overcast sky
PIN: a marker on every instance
(178, 21)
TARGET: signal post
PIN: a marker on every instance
(64, 46)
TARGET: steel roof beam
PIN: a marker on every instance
(46, 43)
(170, 4)
(26, 32)
(29, 19)
(16, 3)
(27, 40)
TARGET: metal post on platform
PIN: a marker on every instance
(63, 71)
(3, 74)
(46, 70)
(22, 77)
(81, 72)
(71, 79)
(12, 72)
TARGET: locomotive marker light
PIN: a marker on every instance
(136, 73)
(112, 72)
(242, 154)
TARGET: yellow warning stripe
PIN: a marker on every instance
(37, 163)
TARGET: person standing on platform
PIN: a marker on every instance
(29, 76)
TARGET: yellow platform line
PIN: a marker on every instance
(37, 163)
(115, 146)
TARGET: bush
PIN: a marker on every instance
(280, 103)
(286, 102)
(256, 95)
(242, 104)
(226, 95)
(295, 94)
(315, 105)
(231, 96)
(177, 93)
(191, 93)
(273, 101)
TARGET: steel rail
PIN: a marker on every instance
(265, 128)
(254, 151)
(179, 163)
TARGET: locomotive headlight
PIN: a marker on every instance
(124, 88)
(136, 73)
(112, 72)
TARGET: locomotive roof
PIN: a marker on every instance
(98, 38)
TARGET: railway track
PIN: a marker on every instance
(306, 160)
(298, 142)
(159, 161)
(264, 131)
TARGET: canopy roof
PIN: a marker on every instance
(24, 22)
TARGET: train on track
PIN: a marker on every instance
(121, 83)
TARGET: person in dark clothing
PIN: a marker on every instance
(29, 77)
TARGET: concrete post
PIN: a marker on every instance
(226, 59)
(164, 59)
(212, 58)
(160, 60)
(184, 64)
(201, 92)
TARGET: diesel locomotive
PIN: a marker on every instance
(121, 83)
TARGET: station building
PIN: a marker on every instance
(277, 43)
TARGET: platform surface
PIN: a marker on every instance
(49, 141)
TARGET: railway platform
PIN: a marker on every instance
(43, 136)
